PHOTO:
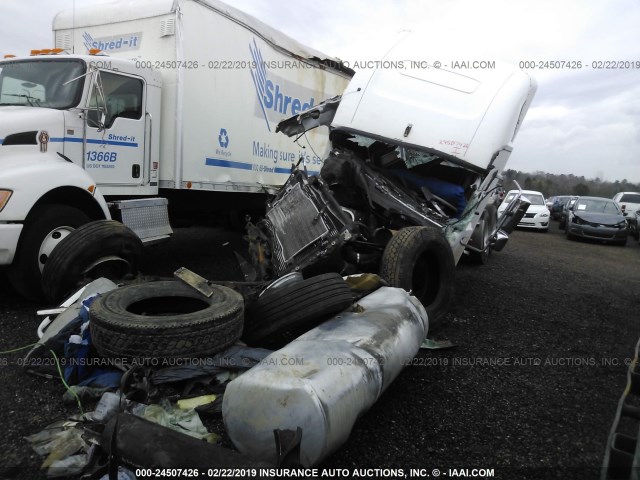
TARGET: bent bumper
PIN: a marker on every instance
(9, 235)
(608, 234)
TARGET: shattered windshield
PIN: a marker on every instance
(40, 83)
(384, 153)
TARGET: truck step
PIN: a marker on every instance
(147, 217)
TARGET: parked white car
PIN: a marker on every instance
(537, 215)
(628, 202)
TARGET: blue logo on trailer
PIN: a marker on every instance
(270, 93)
(128, 41)
(223, 138)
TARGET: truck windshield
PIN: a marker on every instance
(385, 153)
(40, 83)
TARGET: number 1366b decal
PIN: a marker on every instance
(94, 156)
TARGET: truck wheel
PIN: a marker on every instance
(165, 319)
(104, 248)
(295, 308)
(44, 230)
(419, 260)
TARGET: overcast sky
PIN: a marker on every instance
(585, 121)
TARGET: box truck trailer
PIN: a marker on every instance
(144, 104)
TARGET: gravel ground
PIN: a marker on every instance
(542, 334)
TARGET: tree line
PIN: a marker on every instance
(551, 184)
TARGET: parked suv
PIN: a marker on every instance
(629, 203)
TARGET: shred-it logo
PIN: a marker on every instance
(270, 88)
(116, 43)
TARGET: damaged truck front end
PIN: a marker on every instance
(409, 185)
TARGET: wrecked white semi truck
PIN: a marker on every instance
(417, 156)
(146, 101)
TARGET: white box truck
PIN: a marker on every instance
(144, 101)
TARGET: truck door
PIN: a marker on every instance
(115, 149)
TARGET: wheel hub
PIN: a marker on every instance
(51, 241)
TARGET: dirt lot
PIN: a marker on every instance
(542, 334)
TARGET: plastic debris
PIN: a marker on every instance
(70, 466)
(191, 403)
(109, 405)
(183, 421)
(54, 334)
(80, 368)
(59, 442)
(212, 409)
(365, 281)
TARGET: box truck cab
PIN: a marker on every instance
(141, 102)
(409, 185)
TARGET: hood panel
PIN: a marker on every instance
(600, 218)
(537, 208)
(467, 115)
(18, 123)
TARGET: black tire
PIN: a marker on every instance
(280, 314)
(165, 319)
(66, 269)
(420, 260)
(44, 229)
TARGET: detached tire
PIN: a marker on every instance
(45, 228)
(167, 319)
(104, 248)
(419, 260)
(296, 307)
